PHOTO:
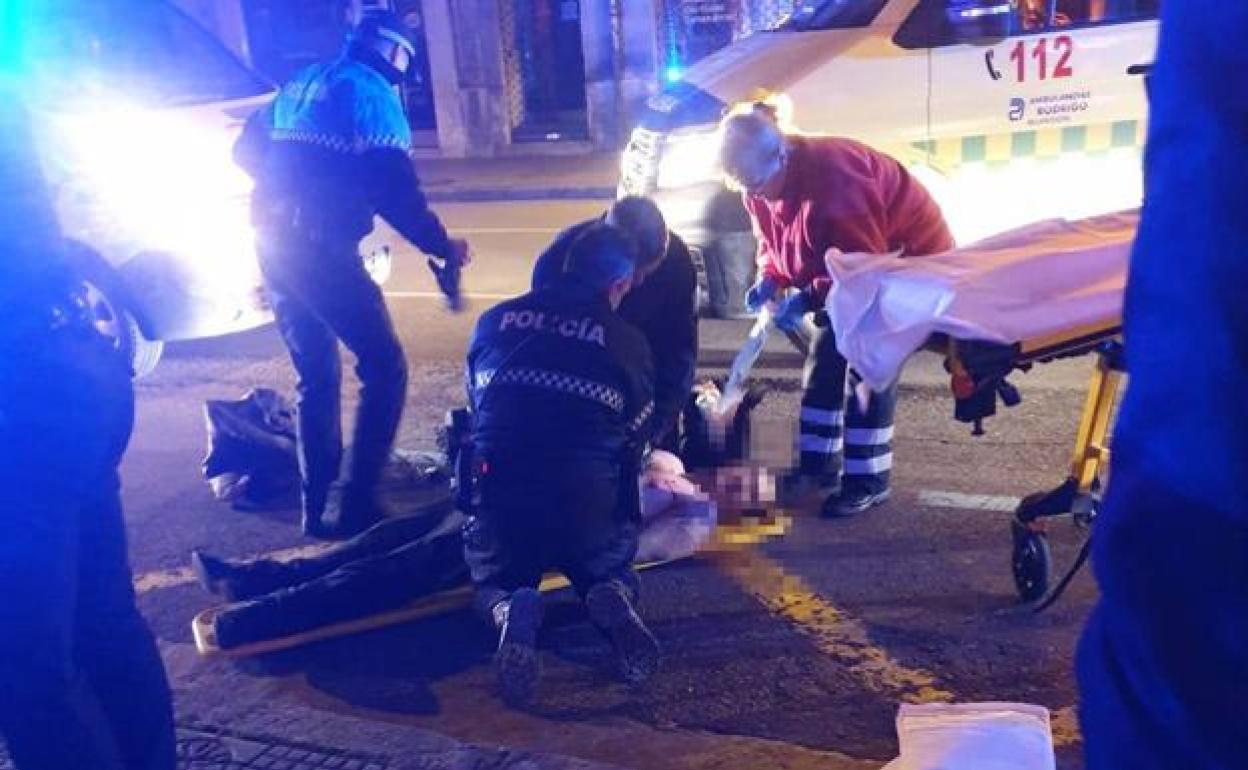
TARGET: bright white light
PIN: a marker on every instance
(170, 184)
(689, 159)
(979, 199)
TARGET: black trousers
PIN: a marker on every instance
(836, 436)
(381, 569)
(577, 520)
(83, 684)
(321, 294)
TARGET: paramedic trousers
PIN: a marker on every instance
(836, 434)
(381, 569)
(83, 681)
(574, 518)
(321, 294)
(1163, 664)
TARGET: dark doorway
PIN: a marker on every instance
(547, 69)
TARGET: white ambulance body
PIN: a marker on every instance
(1009, 110)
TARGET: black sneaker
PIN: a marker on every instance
(851, 502)
(516, 662)
(611, 610)
(214, 575)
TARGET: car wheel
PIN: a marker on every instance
(106, 303)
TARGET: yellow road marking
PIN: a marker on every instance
(1065, 725)
(834, 632)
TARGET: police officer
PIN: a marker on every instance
(83, 682)
(662, 303)
(561, 390)
(806, 195)
(329, 153)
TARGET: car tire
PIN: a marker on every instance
(109, 307)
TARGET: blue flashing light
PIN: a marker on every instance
(673, 73)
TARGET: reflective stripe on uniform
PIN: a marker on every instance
(818, 416)
(868, 436)
(869, 466)
(820, 444)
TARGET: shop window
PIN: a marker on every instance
(935, 23)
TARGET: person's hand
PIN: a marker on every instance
(460, 251)
(763, 291)
(791, 310)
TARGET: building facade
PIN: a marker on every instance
(498, 77)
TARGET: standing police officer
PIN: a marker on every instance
(561, 390)
(328, 154)
(83, 682)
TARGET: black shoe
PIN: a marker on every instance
(612, 611)
(216, 576)
(353, 512)
(516, 662)
(851, 502)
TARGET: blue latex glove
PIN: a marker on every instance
(763, 291)
(792, 309)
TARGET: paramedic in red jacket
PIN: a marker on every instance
(806, 195)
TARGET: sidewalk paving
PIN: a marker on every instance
(550, 177)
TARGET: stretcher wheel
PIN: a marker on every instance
(1031, 562)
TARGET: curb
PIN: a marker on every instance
(503, 194)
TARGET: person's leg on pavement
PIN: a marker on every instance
(822, 417)
(314, 353)
(378, 582)
(353, 306)
(596, 531)
(506, 563)
(244, 579)
(868, 454)
(59, 445)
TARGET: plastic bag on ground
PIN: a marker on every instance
(974, 736)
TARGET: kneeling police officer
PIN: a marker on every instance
(561, 388)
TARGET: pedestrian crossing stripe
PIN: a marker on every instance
(1041, 144)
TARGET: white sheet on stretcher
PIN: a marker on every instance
(1034, 281)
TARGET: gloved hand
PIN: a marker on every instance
(446, 271)
(763, 291)
(788, 316)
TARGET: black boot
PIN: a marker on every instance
(216, 576)
(612, 610)
(516, 662)
(353, 511)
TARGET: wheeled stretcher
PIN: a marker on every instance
(1045, 292)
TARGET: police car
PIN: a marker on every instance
(136, 111)
(1009, 110)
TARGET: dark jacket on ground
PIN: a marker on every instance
(663, 308)
(556, 375)
(330, 152)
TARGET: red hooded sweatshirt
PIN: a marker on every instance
(840, 193)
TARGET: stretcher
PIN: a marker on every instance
(749, 530)
(1048, 291)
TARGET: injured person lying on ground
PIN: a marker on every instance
(405, 558)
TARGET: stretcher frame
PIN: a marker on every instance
(1080, 493)
(750, 530)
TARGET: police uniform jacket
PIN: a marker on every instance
(663, 308)
(330, 152)
(556, 375)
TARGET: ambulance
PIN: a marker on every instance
(1010, 111)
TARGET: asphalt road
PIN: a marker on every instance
(794, 654)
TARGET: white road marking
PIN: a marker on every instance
(172, 578)
(932, 498)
